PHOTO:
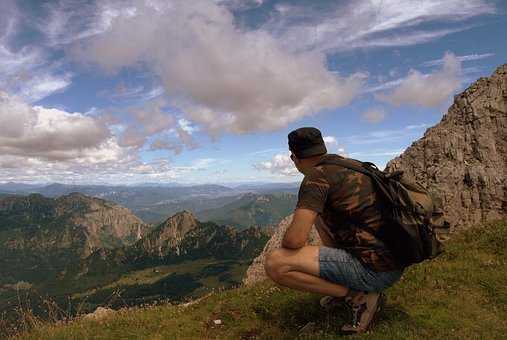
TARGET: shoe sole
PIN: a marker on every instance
(380, 306)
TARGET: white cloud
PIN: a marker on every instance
(409, 132)
(25, 70)
(72, 20)
(340, 27)
(280, 164)
(39, 144)
(384, 86)
(259, 152)
(416, 126)
(427, 89)
(333, 146)
(461, 58)
(330, 141)
(225, 79)
(374, 115)
(43, 85)
(48, 133)
(146, 120)
(186, 126)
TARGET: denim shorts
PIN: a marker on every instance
(339, 266)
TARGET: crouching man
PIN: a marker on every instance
(352, 264)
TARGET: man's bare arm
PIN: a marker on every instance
(297, 233)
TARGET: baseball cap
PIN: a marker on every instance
(306, 142)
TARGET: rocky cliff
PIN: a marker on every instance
(105, 224)
(182, 236)
(42, 237)
(463, 159)
(169, 234)
(94, 222)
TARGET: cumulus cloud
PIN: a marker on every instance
(279, 164)
(223, 78)
(36, 131)
(46, 144)
(333, 146)
(427, 90)
(373, 115)
(183, 139)
(146, 120)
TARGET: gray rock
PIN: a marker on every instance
(462, 159)
(255, 272)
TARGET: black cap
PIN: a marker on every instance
(306, 142)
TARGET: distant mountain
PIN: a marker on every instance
(138, 196)
(252, 210)
(154, 203)
(268, 188)
(180, 257)
(79, 248)
(10, 187)
(150, 202)
(43, 237)
(182, 237)
(157, 213)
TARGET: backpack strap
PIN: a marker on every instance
(362, 169)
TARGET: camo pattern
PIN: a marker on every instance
(347, 203)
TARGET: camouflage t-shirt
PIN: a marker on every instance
(347, 202)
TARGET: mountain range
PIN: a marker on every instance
(154, 203)
(81, 247)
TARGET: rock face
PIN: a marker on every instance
(105, 224)
(43, 237)
(255, 272)
(75, 221)
(170, 233)
(463, 159)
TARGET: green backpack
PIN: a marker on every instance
(409, 211)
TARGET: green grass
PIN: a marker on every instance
(460, 295)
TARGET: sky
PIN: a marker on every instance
(193, 92)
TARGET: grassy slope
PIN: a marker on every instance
(460, 295)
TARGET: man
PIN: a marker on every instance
(352, 264)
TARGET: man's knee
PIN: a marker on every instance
(273, 263)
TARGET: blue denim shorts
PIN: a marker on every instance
(339, 266)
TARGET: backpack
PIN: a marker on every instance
(409, 212)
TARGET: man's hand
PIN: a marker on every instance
(297, 233)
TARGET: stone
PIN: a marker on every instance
(99, 314)
(255, 271)
(462, 160)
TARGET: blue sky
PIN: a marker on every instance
(126, 92)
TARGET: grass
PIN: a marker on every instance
(460, 295)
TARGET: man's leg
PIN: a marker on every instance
(299, 269)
